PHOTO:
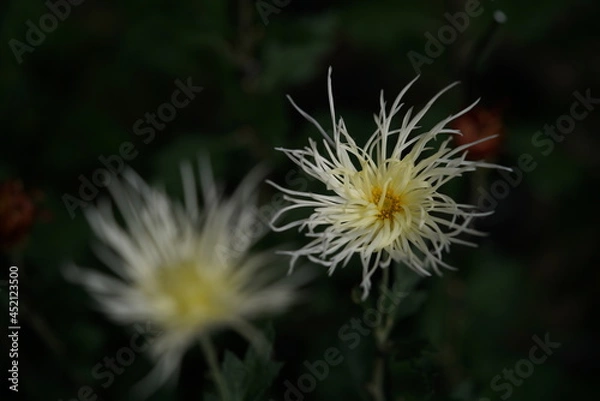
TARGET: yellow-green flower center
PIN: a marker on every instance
(190, 295)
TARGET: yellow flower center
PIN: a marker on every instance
(391, 204)
(190, 296)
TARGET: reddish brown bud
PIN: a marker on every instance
(477, 124)
(17, 213)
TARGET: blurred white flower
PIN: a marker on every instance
(382, 200)
(183, 269)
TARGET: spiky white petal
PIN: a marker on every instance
(383, 199)
(186, 270)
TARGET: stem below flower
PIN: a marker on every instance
(379, 386)
(211, 357)
(378, 382)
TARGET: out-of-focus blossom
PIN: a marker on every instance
(185, 270)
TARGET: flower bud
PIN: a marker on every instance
(477, 124)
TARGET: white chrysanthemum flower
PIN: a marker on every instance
(384, 201)
(184, 270)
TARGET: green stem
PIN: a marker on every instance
(480, 52)
(379, 385)
(378, 381)
(211, 357)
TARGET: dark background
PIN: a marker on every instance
(78, 94)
